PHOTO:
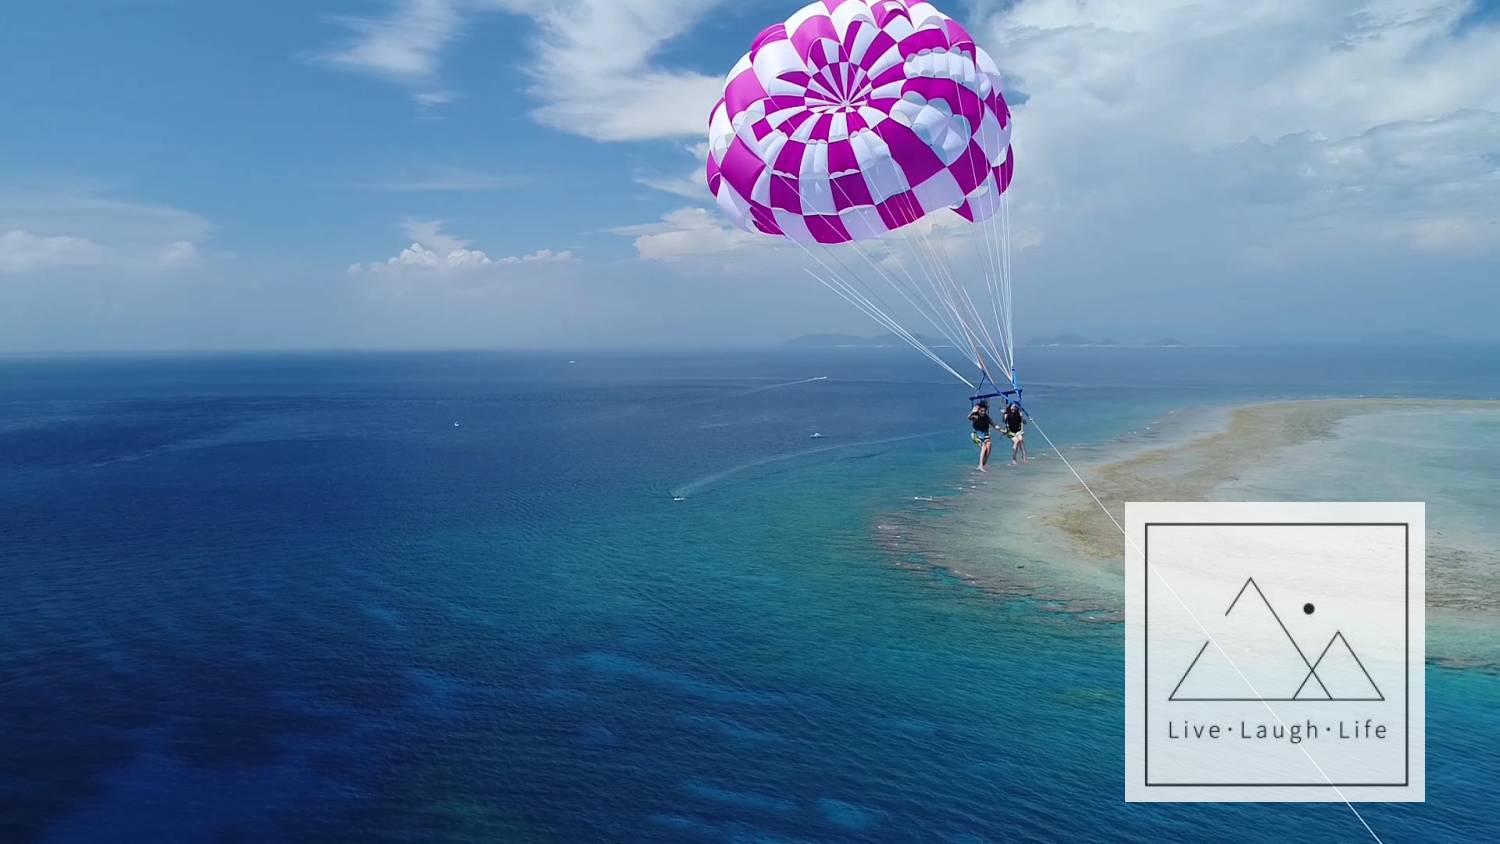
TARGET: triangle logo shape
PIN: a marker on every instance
(1259, 659)
(1338, 674)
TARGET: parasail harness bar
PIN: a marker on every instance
(1014, 393)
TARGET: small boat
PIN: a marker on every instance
(817, 436)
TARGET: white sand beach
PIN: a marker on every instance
(1034, 530)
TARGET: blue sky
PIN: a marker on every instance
(209, 175)
(231, 111)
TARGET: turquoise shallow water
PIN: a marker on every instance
(285, 598)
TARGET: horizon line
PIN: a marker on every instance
(788, 344)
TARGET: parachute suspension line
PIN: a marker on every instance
(847, 291)
(1003, 280)
(959, 316)
(931, 271)
(954, 328)
(929, 267)
(853, 298)
(947, 286)
(1000, 291)
(999, 297)
(867, 260)
(945, 283)
(979, 322)
(963, 306)
(862, 299)
(998, 304)
(987, 267)
(948, 332)
(940, 278)
(962, 337)
(878, 310)
(992, 284)
(1009, 291)
(868, 293)
(995, 288)
(970, 314)
(939, 318)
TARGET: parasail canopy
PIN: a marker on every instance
(856, 119)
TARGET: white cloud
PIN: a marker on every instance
(49, 230)
(435, 252)
(429, 233)
(696, 232)
(1158, 144)
(434, 99)
(1325, 144)
(404, 47)
(592, 63)
(1236, 68)
(417, 256)
(541, 256)
(595, 75)
(1268, 99)
(22, 251)
(97, 217)
(1389, 182)
(689, 185)
(179, 253)
(689, 232)
(1455, 235)
(1198, 161)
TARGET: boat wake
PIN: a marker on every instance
(779, 386)
(754, 391)
(709, 481)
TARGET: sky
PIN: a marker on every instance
(528, 173)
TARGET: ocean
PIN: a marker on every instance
(604, 596)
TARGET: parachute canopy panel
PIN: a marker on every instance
(856, 118)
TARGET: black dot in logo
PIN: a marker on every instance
(1309, 609)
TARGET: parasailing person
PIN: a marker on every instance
(1014, 420)
(980, 418)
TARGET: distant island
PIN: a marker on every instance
(1061, 340)
(835, 341)
(1080, 340)
(845, 341)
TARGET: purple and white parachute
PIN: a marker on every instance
(858, 118)
(854, 118)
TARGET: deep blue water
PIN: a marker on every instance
(283, 597)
